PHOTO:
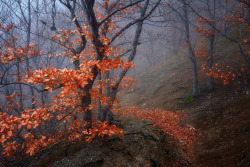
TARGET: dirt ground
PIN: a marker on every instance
(226, 133)
(141, 146)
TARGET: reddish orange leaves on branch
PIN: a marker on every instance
(27, 131)
(32, 142)
(204, 28)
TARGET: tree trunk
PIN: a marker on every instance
(225, 22)
(99, 105)
(85, 103)
(27, 60)
(196, 89)
(106, 109)
(107, 114)
(20, 86)
(211, 51)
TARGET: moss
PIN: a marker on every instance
(178, 102)
(188, 99)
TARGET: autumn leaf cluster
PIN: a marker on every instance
(169, 122)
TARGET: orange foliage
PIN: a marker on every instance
(202, 53)
(32, 142)
(26, 133)
(168, 121)
(224, 73)
(203, 28)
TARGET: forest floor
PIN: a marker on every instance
(141, 146)
(222, 115)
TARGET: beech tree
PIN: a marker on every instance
(90, 47)
(84, 56)
(101, 43)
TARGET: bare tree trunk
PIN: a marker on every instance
(27, 43)
(224, 21)
(150, 54)
(20, 86)
(211, 50)
(248, 18)
(101, 109)
(196, 89)
(151, 37)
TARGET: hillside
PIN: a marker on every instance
(222, 115)
(130, 83)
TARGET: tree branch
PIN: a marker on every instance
(22, 83)
(225, 36)
(118, 10)
(142, 18)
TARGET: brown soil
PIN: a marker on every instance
(226, 133)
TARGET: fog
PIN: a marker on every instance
(68, 59)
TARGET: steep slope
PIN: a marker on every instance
(223, 114)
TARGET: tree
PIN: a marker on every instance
(89, 48)
(209, 30)
(209, 33)
(191, 54)
(196, 89)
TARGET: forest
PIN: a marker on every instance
(154, 83)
